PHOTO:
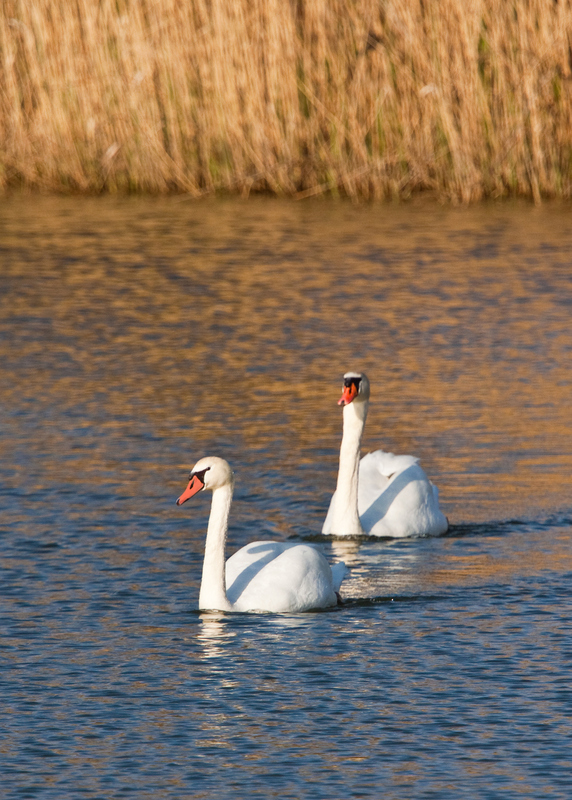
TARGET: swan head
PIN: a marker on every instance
(356, 388)
(208, 473)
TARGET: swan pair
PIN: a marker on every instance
(381, 495)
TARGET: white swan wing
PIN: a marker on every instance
(279, 577)
(396, 498)
(386, 464)
(339, 572)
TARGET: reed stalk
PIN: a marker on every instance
(364, 98)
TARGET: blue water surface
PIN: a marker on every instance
(136, 337)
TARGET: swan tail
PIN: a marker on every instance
(339, 572)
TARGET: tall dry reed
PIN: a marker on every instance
(366, 98)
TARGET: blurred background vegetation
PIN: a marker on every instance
(373, 99)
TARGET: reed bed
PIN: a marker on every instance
(465, 99)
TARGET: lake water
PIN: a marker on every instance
(137, 336)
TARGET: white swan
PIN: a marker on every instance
(393, 497)
(263, 576)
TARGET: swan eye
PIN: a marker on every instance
(349, 382)
(200, 474)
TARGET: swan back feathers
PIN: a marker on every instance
(387, 464)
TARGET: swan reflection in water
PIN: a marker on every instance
(383, 569)
(213, 632)
(216, 630)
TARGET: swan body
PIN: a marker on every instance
(382, 494)
(263, 576)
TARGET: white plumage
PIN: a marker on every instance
(262, 576)
(382, 494)
(279, 576)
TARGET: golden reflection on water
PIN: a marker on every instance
(229, 322)
(401, 569)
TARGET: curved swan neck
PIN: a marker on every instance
(346, 519)
(212, 594)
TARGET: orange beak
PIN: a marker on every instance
(195, 486)
(349, 393)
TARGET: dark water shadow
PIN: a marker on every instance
(455, 530)
(346, 604)
(380, 600)
(503, 527)
(322, 538)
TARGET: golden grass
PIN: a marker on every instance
(464, 98)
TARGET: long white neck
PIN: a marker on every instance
(213, 585)
(346, 518)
